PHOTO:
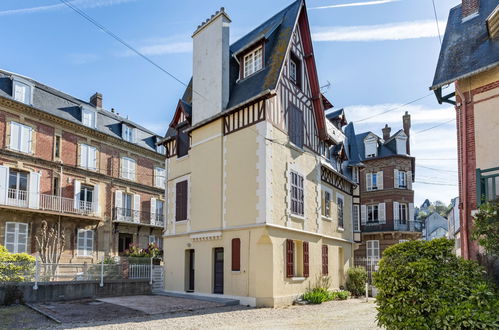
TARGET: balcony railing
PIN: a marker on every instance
(138, 217)
(406, 225)
(397, 225)
(22, 199)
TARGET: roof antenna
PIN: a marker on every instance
(325, 88)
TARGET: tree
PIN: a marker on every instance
(486, 228)
(50, 241)
(16, 267)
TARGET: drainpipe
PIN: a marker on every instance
(167, 202)
(464, 172)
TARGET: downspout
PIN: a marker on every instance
(464, 172)
(167, 204)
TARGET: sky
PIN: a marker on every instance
(375, 56)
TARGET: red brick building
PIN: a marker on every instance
(469, 58)
(97, 176)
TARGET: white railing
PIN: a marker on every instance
(16, 197)
(138, 271)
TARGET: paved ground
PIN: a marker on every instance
(349, 314)
(22, 317)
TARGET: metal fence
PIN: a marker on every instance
(370, 264)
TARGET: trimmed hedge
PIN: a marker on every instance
(356, 281)
(16, 267)
(423, 285)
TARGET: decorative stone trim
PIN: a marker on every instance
(207, 236)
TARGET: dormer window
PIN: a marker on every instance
(401, 145)
(253, 62)
(22, 92)
(128, 133)
(88, 117)
(371, 147)
(161, 149)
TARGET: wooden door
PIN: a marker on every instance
(190, 286)
(218, 286)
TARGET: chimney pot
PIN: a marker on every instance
(469, 7)
(386, 132)
(96, 100)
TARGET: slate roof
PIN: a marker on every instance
(57, 103)
(277, 32)
(466, 48)
(353, 152)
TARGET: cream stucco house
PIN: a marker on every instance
(259, 193)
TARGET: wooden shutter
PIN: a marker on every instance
(136, 208)
(236, 255)
(289, 258)
(395, 178)
(396, 213)
(4, 182)
(15, 132)
(411, 211)
(181, 201)
(76, 194)
(325, 260)
(369, 183)
(379, 180)
(409, 180)
(153, 215)
(363, 214)
(305, 259)
(381, 213)
(34, 190)
(95, 200)
(118, 204)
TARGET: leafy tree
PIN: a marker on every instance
(16, 267)
(423, 285)
(486, 228)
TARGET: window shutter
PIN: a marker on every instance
(83, 155)
(289, 258)
(369, 183)
(15, 132)
(27, 138)
(395, 178)
(22, 237)
(118, 204)
(363, 214)
(95, 200)
(124, 168)
(136, 208)
(4, 181)
(411, 211)
(325, 260)
(77, 193)
(181, 201)
(305, 260)
(380, 180)
(10, 236)
(396, 211)
(153, 211)
(93, 158)
(236, 255)
(409, 180)
(131, 168)
(34, 190)
(381, 213)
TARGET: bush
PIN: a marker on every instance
(356, 281)
(316, 296)
(423, 285)
(16, 267)
(339, 295)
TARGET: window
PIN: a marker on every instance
(292, 70)
(156, 240)
(128, 168)
(295, 70)
(355, 174)
(126, 207)
(356, 218)
(161, 149)
(57, 146)
(295, 126)
(88, 117)
(325, 260)
(16, 237)
(297, 197)
(236, 255)
(181, 201)
(55, 186)
(371, 147)
(401, 143)
(297, 258)
(372, 213)
(253, 61)
(22, 92)
(20, 137)
(374, 181)
(128, 133)
(88, 157)
(372, 249)
(86, 198)
(340, 202)
(18, 188)
(402, 179)
(182, 142)
(159, 210)
(85, 242)
(326, 203)
(159, 177)
(403, 213)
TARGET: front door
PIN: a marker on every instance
(124, 241)
(218, 286)
(190, 286)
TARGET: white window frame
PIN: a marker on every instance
(126, 173)
(86, 149)
(88, 236)
(128, 133)
(402, 180)
(371, 143)
(17, 233)
(403, 213)
(253, 62)
(323, 207)
(356, 217)
(93, 117)
(296, 199)
(340, 197)
(372, 206)
(372, 249)
(293, 64)
(28, 96)
(21, 138)
(159, 177)
(355, 174)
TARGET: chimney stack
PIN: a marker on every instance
(386, 132)
(96, 100)
(469, 8)
(406, 120)
(210, 69)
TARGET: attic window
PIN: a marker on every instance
(128, 133)
(22, 92)
(295, 70)
(371, 147)
(253, 61)
(88, 117)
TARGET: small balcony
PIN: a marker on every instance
(51, 203)
(397, 225)
(131, 216)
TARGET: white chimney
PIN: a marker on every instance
(210, 67)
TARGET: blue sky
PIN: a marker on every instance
(377, 55)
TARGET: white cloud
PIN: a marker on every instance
(83, 4)
(356, 4)
(391, 31)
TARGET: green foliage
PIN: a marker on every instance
(316, 296)
(320, 292)
(423, 285)
(339, 295)
(152, 251)
(16, 267)
(486, 228)
(356, 281)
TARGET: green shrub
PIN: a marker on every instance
(16, 267)
(423, 285)
(316, 296)
(339, 295)
(356, 281)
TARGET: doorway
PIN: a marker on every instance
(124, 241)
(190, 258)
(218, 283)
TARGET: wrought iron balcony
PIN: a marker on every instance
(127, 215)
(397, 225)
